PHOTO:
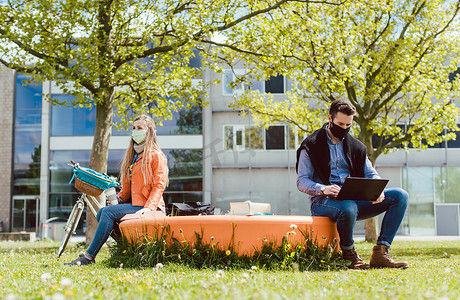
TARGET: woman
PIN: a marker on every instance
(144, 176)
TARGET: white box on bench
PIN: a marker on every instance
(248, 207)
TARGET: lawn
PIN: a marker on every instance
(31, 271)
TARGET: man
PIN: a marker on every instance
(324, 159)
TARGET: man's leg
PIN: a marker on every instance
(344, 213)
(394, 206)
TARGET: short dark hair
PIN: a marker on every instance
(343, 106)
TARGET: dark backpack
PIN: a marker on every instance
(189, 209)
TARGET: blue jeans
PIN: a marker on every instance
(347, 212)
(107, 216)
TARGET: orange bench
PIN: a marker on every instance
(248, 232)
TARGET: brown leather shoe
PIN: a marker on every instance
(381, 258)
(356, 261)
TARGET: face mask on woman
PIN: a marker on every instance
(139, 136)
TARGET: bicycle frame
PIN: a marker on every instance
(72, 222)
(90, 201)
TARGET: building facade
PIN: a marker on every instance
(215, 156)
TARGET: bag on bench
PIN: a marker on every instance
(189, 209)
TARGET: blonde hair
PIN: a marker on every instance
(150, 144)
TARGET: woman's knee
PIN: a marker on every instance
(99, 213)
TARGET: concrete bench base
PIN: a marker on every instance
(18, 236)
(247, 232)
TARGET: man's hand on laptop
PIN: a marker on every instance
(380, 198)
(331, 190)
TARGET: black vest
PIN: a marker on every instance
(318, 151)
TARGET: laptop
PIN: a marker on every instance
(357, 188)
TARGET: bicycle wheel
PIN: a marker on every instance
(71, 225)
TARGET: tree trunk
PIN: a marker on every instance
(370, 225)
(99, 154)
(370, 229)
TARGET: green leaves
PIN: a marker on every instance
(392, 60)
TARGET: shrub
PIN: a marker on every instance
(165, 248)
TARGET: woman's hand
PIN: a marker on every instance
(143, 211)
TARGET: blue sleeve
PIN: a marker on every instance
(305, 173)
(369, 171)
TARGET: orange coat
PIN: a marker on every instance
(151, 194)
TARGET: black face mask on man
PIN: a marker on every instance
(338, 131)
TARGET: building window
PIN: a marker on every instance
(234, 137)
(275, 137)
(27, 137)
(231, 76)
(254, 137)
(76, 121)
(275, 85)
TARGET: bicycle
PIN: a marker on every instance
(91, 184)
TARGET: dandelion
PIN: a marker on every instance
(254, 268)
(121, 266)
(45, 277)
(11, 297)
(124, 251)
(65, 282)
(322, 261)
(293, 226)
(159, 266)
(228, 252)
(58, 296)
(219, 273)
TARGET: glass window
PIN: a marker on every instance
(241, 137)
(234, 137)
(184, 121)
(66, 121)
(454, 75)
(195, 61)
(275, 85)
(254, 137)
(420, 185)
(296, 137)
(185, 170)
(27, 137)
(228, 137)
(230, 76)
(71, 121)
(274, 137)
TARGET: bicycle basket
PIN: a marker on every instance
(87, 188)
(91, 182)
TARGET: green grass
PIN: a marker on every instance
(434, 273)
